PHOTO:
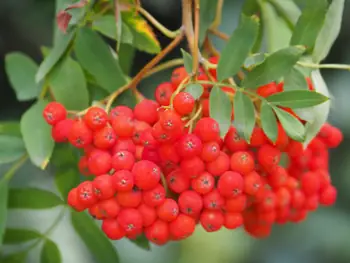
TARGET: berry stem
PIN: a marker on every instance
(164, 183)
(187, 23)
(194, 117)
(166, 65)
(218, 14)
(219, 34)
(179, 88)
(165, 31)
(196, 38)
(324, 66)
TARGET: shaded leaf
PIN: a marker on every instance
(21, 71)
(19, 257)
(37, 134)
(206, 17)
(95, 56)
(295, 80)
(195, 89)
(293, 127)
(94, 239)
(317, 115)
(126, 57)
(11, 148)
(50, 253)
(288, 9)
(144, 38)
(277, 31)
(244, 115)
(68, 85)
(32, 198)
(10, 128)
(16, 235)
(274, 67)
(187, 61)
(3, 207)
(297, 99)
(309, 24)
(106, 26)
(329, 31)
(250, 7)
(127, 98)
(238, 47)
(56, 53)
(142, 242)
(220, 109)
(269, 121)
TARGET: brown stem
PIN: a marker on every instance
(219, 34)
(218, 14)
(210, 47)
(187, 23)
(196, 38)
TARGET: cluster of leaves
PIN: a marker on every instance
(81, 68)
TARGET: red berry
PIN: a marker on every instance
(177, 181)
(99, 162)
(96, 118)
(242, 162)
(123, 160)
(178, 75)
(204, 183)
(328, 196)
(130, 220)
(80, 135)
(73, 200)
(163, 93)
(60, 131)
(155, 196)
(267, 90)
(220, 165)
(210, 151)
(192, 167)
(213, 200)
(233, 220)
(168, 210)
(310, 183)
(297, 199)
(147, 111)
(212, 220)
(268, 156)
(236, 204)
(171, 121)
(103, 187)
(258, 137)
(83, 166)
(188, 146)
(123, 181)
(230, 184)
(105, 138)
(86, 195)
(277, 177)
(148, 213)
(121, 111)
(190, 203)
(167, 152)
(158, 232)
(113, 229)
(207, 129)
(184, 103)
(182, 227)
(123, 126)
(146, 174)
(130, 199)
(234, 142)
(252, 183)
(283, 197)
(54, 112)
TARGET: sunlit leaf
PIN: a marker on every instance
(21, 71)
(238, 47)
(269, 121)
(207, 15)
(195, 89)
(288, 9)
(187, 61)
(295, 80)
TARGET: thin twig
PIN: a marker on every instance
(218, 14)
(219, 34)
(166, 65)
(196, 39)
(324, 66)
(187, 23)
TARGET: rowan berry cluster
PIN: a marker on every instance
(157, 175)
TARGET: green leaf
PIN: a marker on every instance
(12, 148)
(250, 7)
(330, 30)
(295, 80)
(220, 109)
(144, 38)
(309, 24)
(10, 128)
(142, 242)
(96, 57)
(126, 58)
(297, 99)
(37, 134)
(293, 127)
(127, 98)
(254, 60)
(94, 239)
(187, 61)
(68, 85)
(244, 115)
(206, 17)
(106, 26)
(16, 235)
(238, 47)
(278, 33)
(19, 257)
(3, 207)
(21, 71)
(32, 198)
(289, 10)
(66, 180)
(50, 253)
(55, 54)
(268, 122)
(317, 115)
(274, 67)
(195, 89)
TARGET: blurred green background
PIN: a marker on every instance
(26, 25)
